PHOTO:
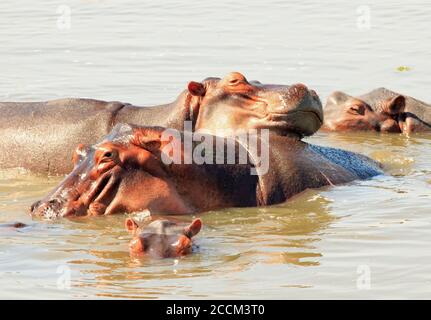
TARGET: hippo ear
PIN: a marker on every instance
(194, 228)
(357, 109)
(131, 225)
(147, 138)
(395, 105)
(196, 89)
(337, 98)
(152, 145)
(183, 246)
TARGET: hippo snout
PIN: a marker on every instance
(292, 96)
(302, 109)
(314, 94)
(297, 91)
(34, 206)
(298, 97)
(48, 208)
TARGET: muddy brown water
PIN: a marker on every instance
(366, 239)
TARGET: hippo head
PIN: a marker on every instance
(123, 173)
(235, 104)
(347, 113)
(162, 238)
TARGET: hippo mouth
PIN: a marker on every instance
(98, 200)
(71, 202)
(298, 122)
(49, 210)
(317, 115)
(284, 118)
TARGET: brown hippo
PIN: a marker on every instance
(162, 238)
(41, 136)
(380, 110)
(132, 169)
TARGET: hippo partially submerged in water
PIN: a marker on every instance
(135, 168)
(380, 110)
(162, 238)
(41, 136)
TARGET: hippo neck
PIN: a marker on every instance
(170, 115)
(229, 182)
(178, 112)
(296, 166)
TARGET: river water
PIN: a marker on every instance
(367, 239)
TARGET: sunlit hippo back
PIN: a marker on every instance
(41, 136)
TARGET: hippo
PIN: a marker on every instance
(42, 136)
(133, 169)
(162, 238)
(380, 110)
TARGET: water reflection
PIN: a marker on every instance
(308, 248)
(232, 240)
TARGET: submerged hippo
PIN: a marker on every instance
(135, 168)
(13, 225)
(162, 238)
(41, 136)
(380, 110)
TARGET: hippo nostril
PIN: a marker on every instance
(299, 87)
(390, 125)
(296, 92)
(55, 204)
(137, 246)
(42, 207)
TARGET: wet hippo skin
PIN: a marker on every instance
(127, 172)
(380, 110)
(162, 238)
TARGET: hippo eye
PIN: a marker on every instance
(357, 109)
(234, 82)
(107, 156)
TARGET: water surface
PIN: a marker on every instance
(317, 245)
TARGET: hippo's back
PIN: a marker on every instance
(41, 136)
(358, 164)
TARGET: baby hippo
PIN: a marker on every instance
(162, 238)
